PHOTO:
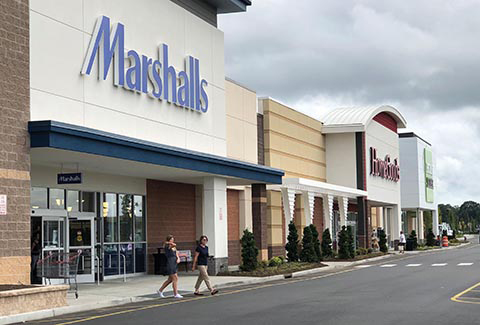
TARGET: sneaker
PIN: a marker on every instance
(160, 294)
(214, 292)
(178, 296)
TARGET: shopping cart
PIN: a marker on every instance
(60, 266)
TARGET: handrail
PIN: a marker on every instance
(98, 269)
(124, 268)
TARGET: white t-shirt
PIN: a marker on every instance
(402, 238)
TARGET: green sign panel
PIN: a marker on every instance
(428, 159)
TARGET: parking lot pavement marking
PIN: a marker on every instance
(439, 264)
(460, 297)
(464, 264)
(362, 266)
(388, 265)
(412, 265)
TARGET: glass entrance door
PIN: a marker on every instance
(53, 240)
(81, 236)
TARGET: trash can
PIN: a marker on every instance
(159, 263)
(410, 246)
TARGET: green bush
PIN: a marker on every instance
(382, 243)
(282, 258)
(249, 251)
(275, 261)
(292, 243)
(264, 264)
(327, 244)
(413, 237)
(308, 251)
(430, 238)
(370, 250)
(343, 251)
(350, 243)
(316, 242)
(362, 251)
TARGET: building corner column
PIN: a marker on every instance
(435, 229)
(421, 235)
(214, 222)
(259, 219)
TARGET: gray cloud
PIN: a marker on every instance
(422, 56)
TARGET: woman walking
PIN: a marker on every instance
(201, 262)
(171, 269)
(402, 243)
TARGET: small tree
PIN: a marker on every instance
(430, 238)
(308, 251)
(316, 242)
(413, 238)
(382, 243)
(343, 252)
(351, 244)
(292, 243)
(327, 243)
(249, 251)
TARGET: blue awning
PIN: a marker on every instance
(52, 134)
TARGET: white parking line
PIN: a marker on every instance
(388, 265)
(439, 264)
(464, 264)
(412, 265)
(362, 266)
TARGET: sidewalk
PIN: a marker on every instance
(141, 288)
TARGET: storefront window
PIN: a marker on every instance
(38, 198)
(111, 259)
(140, 257)
(110, 223)
(139, 218)
(57, 198)
(73, 201)
(126, 250)
(126, 220)
(88, 201)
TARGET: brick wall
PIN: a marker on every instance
(170, 210)
(233, 213)
(14, 145)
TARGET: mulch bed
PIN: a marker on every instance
(357, 257)
(7, 287)
(286, 268)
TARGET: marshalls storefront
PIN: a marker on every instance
(128, 136)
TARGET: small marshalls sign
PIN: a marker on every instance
(3, 205)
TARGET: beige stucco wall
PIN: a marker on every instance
(241, 110)
(293, 142)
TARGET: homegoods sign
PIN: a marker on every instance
(384, 168)
(142, 74)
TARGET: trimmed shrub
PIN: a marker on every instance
(413, 238)
(350, 243)
(327, 244)
(370, 251)
(308, 251)
(249, 251)
(263, 264)
(362, 251)
(316, 242)
(275, 261)
(430, 238)
(382, 243)
(292, 243)
(343, 251)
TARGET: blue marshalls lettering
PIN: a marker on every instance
(155, 77)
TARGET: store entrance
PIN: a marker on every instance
(81, 237)
(48, 234)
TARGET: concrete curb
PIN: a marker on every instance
(40, 314)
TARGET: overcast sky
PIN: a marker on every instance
(420, 56)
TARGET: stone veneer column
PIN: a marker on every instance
(14, 144)
(259, 216)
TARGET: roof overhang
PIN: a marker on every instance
(357, 119)
(318, 188)
(57, 135)
(229, 6)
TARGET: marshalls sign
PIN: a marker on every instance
(3, 205)
(142, 74)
